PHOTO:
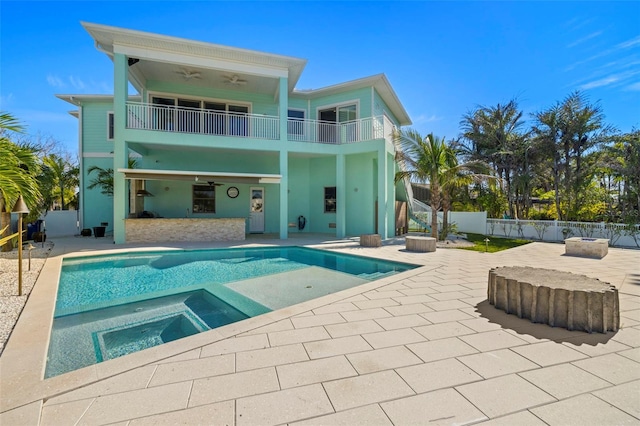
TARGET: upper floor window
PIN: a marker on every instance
(110, 123)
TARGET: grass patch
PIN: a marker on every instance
(495, 243)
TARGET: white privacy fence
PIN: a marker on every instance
(618, 234)
(474, 222)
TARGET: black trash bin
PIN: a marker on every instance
(98, 231)
(31, 229)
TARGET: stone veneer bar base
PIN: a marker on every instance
(159, 230)
(560, 299)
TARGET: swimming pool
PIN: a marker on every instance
(112, 305)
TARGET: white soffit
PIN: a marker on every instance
(173, 49)
(195, 176)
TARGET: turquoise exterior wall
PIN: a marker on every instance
(299, 200)
(260, 104)
(362, 96)
(95, 206)
(309, 169)
(380, 108)
(94, 127)
(360, 194)
(322, 172)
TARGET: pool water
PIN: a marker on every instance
(109, 306)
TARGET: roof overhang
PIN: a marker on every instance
(164, 50)
(378, 81)
(78, 100)
(195, 176)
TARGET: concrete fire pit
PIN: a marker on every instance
(586, 247)
(560, 299)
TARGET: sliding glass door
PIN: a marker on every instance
(337, 124)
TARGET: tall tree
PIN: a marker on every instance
(18, 171)
(568, 132)
(427, 159)
(63, 174)
(459, 175)
(620, 175)
(496, 137)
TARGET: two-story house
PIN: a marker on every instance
(225, 145)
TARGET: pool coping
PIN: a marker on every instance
(23, 360)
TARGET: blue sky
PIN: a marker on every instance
(442, 58)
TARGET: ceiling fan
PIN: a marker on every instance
(234, 80)
(188, 74)
(212, 183)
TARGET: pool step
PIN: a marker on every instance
(373, 276)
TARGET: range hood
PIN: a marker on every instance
(143, 193)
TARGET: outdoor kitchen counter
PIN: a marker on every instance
(156, 230)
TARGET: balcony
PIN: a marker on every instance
(220, 123)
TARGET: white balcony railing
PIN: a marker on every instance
(201, 121)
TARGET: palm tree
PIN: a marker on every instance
(567, 132)
(459, 176)
(18, 170)
(104, 178)
(63, 173)
(496, 137)
(426, 159)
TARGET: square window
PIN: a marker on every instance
(330, 199)
(204, 199)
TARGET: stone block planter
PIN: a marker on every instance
(420, 244)
(370, 240)
(560, 299)
(586, 247)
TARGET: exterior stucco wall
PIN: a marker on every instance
(362, 96)
(94, 127)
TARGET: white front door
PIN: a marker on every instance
(256, 208)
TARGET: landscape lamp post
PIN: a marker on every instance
(20, 208)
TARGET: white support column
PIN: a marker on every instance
(284, 159)
(382, 193)
(120, 151)
(341, 196)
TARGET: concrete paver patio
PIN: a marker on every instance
(421, 347)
